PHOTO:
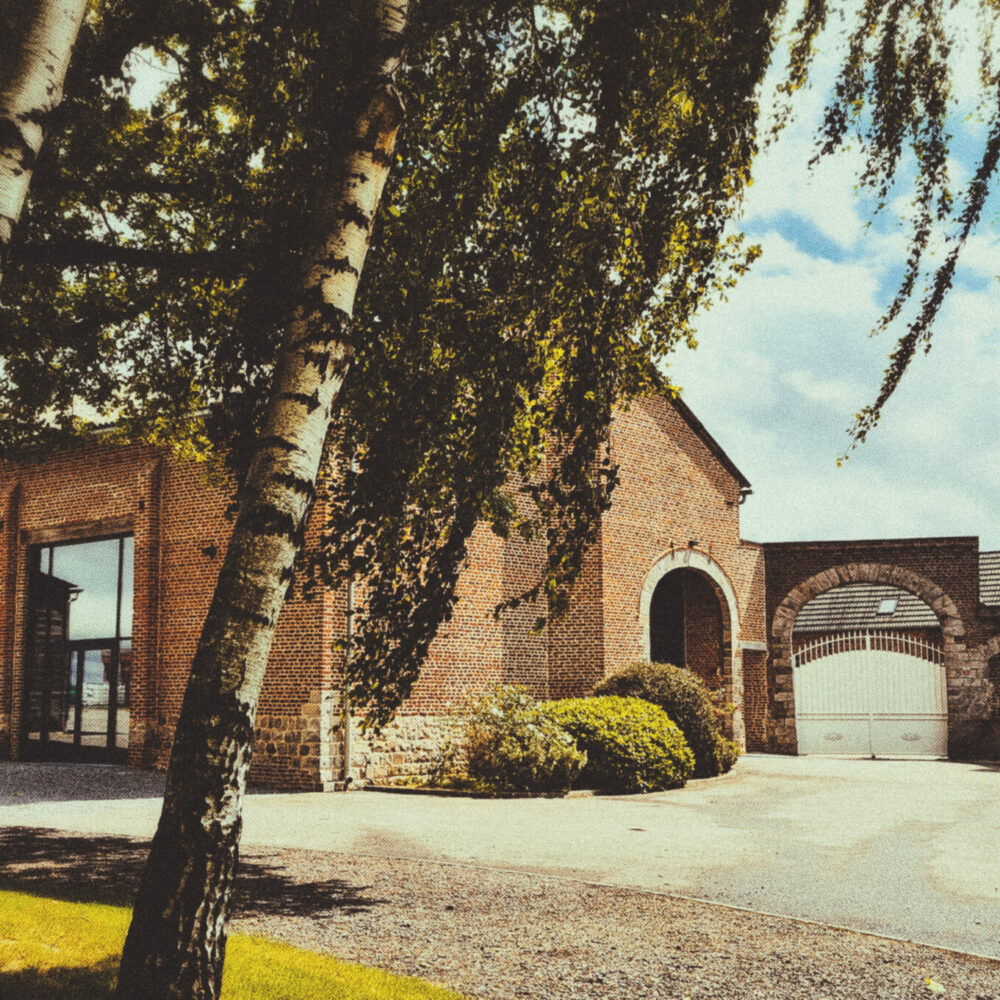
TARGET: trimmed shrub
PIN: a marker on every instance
(687, 701)
(631, 745)
(727, 752)
(506, 743)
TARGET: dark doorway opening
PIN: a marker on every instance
(79, 650)
(686, 625)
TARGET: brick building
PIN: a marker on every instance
(108, 557)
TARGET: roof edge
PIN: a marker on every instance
(702, 432)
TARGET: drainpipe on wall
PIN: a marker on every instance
(345, 706)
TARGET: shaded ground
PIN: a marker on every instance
(108, 869)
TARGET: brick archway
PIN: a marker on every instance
(732, 663)
(956, 658)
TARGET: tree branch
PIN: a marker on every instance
(71, 252)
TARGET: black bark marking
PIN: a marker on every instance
(335, 265)
(320, 360)
(370, 146)
(340, 265)
(297, 484)
(266, 519)
(328, 362)
(12, 140)
(352, 214)
(37, 116)
(279, 443)
(315, 304)
(258, 619)
(326, 327)
(309, 400)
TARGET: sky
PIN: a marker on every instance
(782, 366)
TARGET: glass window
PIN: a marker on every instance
(887, 606)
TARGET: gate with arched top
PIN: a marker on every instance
(871, 692)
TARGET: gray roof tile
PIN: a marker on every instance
(856, 606)
(989, 578)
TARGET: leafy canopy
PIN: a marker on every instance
(556, 215)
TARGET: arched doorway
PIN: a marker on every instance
(686, 625)
(786, 659)
(689, 617)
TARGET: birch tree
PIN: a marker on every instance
(36, 42)
(176, 943)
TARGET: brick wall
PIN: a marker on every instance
(676, 508)
(673, 491)
(177, 520)
(755, 699)
(703, 632)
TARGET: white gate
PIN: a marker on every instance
(878, 693)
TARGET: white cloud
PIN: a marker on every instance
(782, 367)
(835, 393)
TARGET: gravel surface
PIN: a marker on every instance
(505, 935)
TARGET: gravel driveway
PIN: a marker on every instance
(505, 935)
(903, 848)
(502, 935)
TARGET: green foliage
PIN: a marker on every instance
(687, 701)
(507, 743)
(631, 745)
(554, 218)
(727, 753)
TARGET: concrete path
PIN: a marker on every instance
(906, 849)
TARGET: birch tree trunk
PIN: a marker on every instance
(176, 944)
(34, 57)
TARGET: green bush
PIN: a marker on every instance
(727, 752)
(506, 743)
(631, 746)
(687, 701)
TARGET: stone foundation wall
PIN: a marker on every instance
(302, 751)
(406, 748)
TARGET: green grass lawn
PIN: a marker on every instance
(56, 950)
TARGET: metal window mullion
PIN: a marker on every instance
(78, 707)
(112, 740)
(46, 671)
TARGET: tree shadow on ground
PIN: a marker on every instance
(107, 870)
(96, 982)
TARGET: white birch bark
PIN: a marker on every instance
(176, 943)
(32, 72)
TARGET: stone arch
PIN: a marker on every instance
(704, 564)
(957, 660)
